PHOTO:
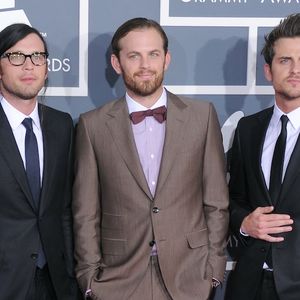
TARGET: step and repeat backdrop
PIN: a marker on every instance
(215, 47)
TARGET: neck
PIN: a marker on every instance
(146, 101)
(24, 106)
(288, 105)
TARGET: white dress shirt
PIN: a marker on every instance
(273, 131)
(15, 119)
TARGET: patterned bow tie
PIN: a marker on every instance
(159, 113)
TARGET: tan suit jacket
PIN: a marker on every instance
(116, 217)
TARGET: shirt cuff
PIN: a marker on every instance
(243, 233)
(87, 294)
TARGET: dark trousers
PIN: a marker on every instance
(41, 287)
(267, 288)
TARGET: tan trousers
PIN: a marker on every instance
(152, 286)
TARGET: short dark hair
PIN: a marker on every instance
(12, 34)
(289, 27)
(136, 23)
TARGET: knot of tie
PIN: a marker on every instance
(159, 114)
(27, 122)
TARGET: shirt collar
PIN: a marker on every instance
(135, 106)
(15, 117)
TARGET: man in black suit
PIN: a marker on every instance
(265, 180)
(36, 256)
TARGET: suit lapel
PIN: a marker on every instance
(176, 116)
(258, 142)
(292, 170)
(10, 152)
(120, 128)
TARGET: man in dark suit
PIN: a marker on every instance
(36, 258)
(265, 181)
(150, 196)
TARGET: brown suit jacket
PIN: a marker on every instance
(115, 215)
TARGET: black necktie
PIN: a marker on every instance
(277, 162)
(33, 174)
(276, 172)
(159, 113)
(32, 161)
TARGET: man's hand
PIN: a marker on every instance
(261, 223)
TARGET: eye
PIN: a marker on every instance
(154, 54)
(284, 60)
(133, 56)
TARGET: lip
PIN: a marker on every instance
(145, 76)
(28, 79)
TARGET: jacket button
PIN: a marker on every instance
(34, 256)
(262, 249)
(152, 243)
(155, 210)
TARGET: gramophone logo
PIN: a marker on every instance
(12, 15)
(9, 15)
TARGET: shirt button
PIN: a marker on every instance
(152, 156)
(153, 182)
(152, 243)
(150, 129)
(155, 210)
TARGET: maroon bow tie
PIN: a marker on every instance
(159, 113)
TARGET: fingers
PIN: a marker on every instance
(264, 210)
(272, 239)
(261, 224)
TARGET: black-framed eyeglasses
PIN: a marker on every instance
(19, 58)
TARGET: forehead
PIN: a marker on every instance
(287, 46)
(30, 43)
(141, 39)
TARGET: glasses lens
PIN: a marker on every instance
(38, 58)
(16, 59)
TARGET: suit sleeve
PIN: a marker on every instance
(239, 207)
(86, 208)
(215, 196)
(67, 217)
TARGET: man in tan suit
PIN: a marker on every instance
(150, 196)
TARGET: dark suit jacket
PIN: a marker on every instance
(116, 217)
(249, 191)
(21, 222)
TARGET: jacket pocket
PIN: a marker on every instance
(197, 238)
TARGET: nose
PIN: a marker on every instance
(145, 62)
(296, 67)
(28, 63)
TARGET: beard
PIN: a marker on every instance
(143, 88)
(287, 93)
(21, 93)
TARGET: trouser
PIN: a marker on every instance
(267, 288)
(41, 287)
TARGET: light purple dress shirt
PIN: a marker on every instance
(149, 137)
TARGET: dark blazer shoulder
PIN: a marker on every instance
(55, 120)
(54, 113)
(260, 116)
